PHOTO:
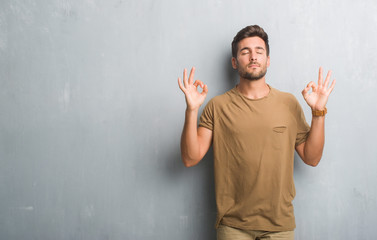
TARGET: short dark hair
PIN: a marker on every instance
(249, 31)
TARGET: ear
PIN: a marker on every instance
(234, 63)
(268, 61)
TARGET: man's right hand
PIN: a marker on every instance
(194, 98)
(195, 141)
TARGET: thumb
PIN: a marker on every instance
(205, 90)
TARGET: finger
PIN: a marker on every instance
(314, 87)
(320, 78)
(332, 86)
(180, 85)
(311, 85)
(191, 77)
(205, 90)
(307, 88)
(199, 83)
(185, 78)
(327, 80)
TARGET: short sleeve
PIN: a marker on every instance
(206, 119)
(303, 127)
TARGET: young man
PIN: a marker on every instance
(254, 129)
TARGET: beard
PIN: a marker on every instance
(252, 76)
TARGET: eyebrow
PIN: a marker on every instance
(247, 48)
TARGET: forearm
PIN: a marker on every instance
(315, 142)
(311, 150)
(190, 148)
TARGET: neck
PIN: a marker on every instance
(253, 89)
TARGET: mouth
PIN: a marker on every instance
(253, 65)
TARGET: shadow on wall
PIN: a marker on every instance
(299, 166)
(230, 73)
(199, 195)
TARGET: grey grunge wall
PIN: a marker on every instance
(91, 114)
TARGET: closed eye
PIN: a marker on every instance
(260, 50)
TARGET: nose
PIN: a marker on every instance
(253, 56)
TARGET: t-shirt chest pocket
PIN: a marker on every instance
(279, 136)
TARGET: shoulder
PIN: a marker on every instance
(222, 99)
(214, 107)
(285, 97)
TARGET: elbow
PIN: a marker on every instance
(313, 162)
(312, 158)
(189, 162)
(186, 162)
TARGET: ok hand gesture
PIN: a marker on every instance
(317, 99)
(194, 98)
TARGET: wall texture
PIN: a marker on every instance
(91, 114)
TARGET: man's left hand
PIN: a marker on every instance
(317, 99)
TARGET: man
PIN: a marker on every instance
(254, 129)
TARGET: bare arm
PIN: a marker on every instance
(311, 150)
(195, 141)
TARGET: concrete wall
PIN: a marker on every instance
(91, 114)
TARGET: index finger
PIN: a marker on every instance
(327, 80)
(320, 78)
(191, 77)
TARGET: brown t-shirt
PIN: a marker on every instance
(253, 144)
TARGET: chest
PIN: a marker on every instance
(257, 120)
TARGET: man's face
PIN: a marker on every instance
(252, 60)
